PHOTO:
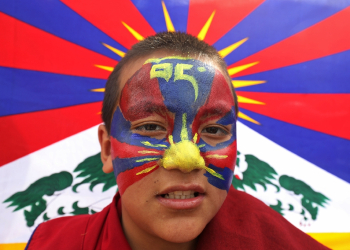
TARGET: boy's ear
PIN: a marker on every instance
(105, 144)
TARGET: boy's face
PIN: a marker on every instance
(173, 145)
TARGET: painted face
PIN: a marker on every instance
(186, 95)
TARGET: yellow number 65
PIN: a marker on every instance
(165, 71)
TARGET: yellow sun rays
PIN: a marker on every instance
(201, 36)
(108, 68)
(247, 118)
(224, 52)
(98, 90)
(205, 28)
(240, 68)
(242, 99)
(133, 32)
(243, 83)
(168, 22)
(117, 51)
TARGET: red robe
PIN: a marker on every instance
(243, 222)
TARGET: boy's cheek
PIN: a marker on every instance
(131, 163)
(221, 161)
(221, 158)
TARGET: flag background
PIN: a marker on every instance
(288, 61)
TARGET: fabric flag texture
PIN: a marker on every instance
(288, 61)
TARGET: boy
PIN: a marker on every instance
(169, 135)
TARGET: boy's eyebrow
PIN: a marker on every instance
(148, 107)
(218, 109)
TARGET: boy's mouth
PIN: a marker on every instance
(182, 197)
(188, 194)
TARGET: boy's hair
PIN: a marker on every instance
(178, 42)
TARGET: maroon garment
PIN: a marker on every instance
(243, 222)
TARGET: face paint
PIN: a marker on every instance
(186, 94)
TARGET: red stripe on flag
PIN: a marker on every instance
(25, 133)
(26, 47)
(325, 38)
(326, 113)
(226, 16)
(108, 15)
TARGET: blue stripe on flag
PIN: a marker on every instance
(325, 151)
(329, 74)
(152, 11)
(23, 91)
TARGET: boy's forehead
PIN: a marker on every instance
(175, 84)
(134, 65)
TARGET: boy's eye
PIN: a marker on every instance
(215, 133)
(150, 127)
(214, 130)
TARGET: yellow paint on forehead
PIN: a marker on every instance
(201, 69)
(164, 70)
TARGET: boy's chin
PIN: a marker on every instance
(182, 231)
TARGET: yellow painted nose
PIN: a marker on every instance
(184, 155)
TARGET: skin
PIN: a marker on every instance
(147, 223)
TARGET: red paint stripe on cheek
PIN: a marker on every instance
(229, 161)
(129, 177)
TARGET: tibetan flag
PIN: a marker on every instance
(288, 61)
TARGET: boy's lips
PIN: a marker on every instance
(182, 196)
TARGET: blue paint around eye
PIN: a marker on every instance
(208, 148)
(120, 130)
(123, 164)
(229, 118)
(226, 173)
(119, 127)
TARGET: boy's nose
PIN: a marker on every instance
(184, 155)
